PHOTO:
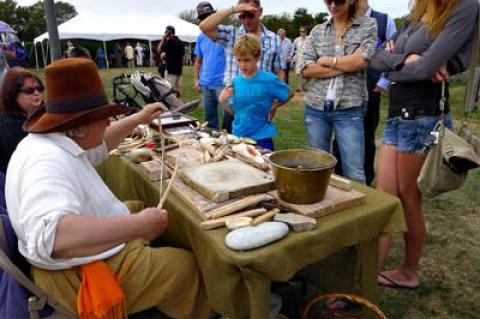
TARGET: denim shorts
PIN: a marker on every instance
(410, 136)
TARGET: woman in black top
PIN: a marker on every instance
(21, 94)
(434, 42)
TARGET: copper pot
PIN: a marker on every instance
(302, 175)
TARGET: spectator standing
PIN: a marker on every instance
(69, 49)
(226, 35)
(100, 58)
(433, 43)
(254, 95)
(336, 56)
(299, 47)
(287, 52)
(209, 70)
(376, 83)
(174, 50)
(129, 55)
(139, 53)
(117, 55)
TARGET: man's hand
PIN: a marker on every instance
(197, 86)
(153, 221)
(325, 61)
(245, 7)
(150, 112)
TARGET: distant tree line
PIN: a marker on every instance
(29, 21)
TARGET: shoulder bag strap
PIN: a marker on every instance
(473, 71)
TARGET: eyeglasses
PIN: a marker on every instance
(246, 15)
(337, 2)
(31, 90)
(301, 31)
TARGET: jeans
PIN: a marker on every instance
(410, 136)
(348, 127)
(210, 104)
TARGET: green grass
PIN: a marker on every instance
(451, 260)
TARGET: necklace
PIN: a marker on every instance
(339, 35)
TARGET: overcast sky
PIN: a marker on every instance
(395, 8)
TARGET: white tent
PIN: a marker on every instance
(108, 26)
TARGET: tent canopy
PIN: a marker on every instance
(107, 26)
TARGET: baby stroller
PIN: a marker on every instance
(150, 88)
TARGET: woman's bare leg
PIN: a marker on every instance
(387, 182)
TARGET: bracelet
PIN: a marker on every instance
(334, 63)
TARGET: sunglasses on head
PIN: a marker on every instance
(337, 2)
(246, 15)
(31, 90)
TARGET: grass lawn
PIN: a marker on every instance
(450, 265)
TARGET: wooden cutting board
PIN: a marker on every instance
(195, 201)
(335, 200)
(224, 180)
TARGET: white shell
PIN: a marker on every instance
(255, 236)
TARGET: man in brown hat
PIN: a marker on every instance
(78, 236)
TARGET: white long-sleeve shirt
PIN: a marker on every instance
(49, 176)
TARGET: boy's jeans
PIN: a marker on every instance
(210, 106)
(348, 127)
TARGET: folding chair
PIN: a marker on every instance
(38, 299)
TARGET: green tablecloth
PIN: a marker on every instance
(341, 252)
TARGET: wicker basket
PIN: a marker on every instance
(312, 311)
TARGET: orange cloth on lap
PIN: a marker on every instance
(100, 295)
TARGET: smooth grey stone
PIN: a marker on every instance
(297, 222)
(255, 236)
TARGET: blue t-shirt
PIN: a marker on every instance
(252, 100)
(213, 61)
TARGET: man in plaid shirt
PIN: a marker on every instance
(226, 35)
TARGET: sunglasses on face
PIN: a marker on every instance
(246, 15)
(31, 90)
(302, 31)
(337, 2)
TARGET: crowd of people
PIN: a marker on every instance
(73, 230)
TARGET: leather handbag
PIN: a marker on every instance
(449, 158)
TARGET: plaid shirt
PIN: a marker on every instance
(351, 88)
(271, 57)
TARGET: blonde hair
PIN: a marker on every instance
(247, 44)
(433, 13)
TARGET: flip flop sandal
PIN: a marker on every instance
(390, 283)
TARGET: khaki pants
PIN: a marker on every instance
(166, 278)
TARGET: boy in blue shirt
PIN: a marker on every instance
(254, 96)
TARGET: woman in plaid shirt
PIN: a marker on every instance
(336, 56)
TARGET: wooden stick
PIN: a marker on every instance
(340, 182)
(265, 217)
(174, 174)
(220, 222)
(238, 205)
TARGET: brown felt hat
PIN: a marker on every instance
(75, 96)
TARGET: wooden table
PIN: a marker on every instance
(343, 247)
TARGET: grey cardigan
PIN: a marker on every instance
(452, 47)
